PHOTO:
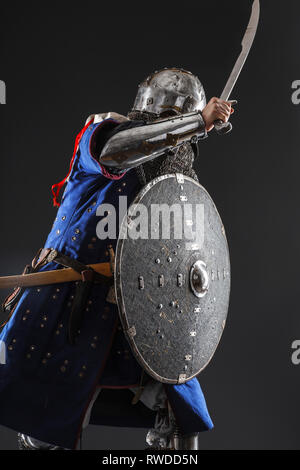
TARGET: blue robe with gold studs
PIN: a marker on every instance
(46, 384)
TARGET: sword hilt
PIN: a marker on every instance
(222, 128)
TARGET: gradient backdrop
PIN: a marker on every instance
(61, 64)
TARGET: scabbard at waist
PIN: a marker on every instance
(83, 287)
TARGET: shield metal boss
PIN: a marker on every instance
(172, 278)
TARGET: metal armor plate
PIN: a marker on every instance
(172, 278)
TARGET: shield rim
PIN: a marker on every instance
(119, 290)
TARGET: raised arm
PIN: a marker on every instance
(142, 142)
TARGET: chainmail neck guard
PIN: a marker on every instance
(179, 160)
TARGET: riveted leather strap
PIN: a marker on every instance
(82, 293)
(83, 289)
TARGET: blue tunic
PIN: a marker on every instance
(46, 384)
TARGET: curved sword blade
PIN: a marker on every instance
(246, 46)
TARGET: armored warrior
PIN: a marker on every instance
(65, 361)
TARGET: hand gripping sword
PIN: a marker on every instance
(225, 127)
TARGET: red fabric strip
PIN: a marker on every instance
(57, 187)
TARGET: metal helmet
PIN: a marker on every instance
(170, 90)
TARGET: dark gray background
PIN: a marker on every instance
(61, 64)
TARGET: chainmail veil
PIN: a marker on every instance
(179, 160)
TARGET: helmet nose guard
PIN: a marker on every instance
(170, 90)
